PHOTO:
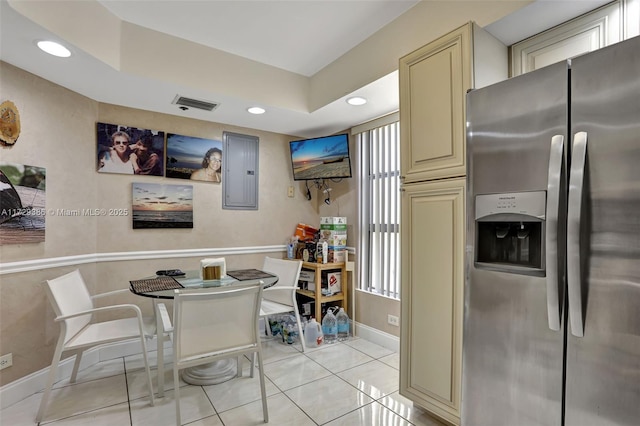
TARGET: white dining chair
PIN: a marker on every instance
(214, 324)
(74, 308)
(281, 297)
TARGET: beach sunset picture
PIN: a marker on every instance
(188, 158)
(162, 206)
(321, 158)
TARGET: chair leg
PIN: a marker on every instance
(76, 366)
(176, 391)
(239, 366)
(146, 367)
(263, 390)
(51, 379)
(253, 363)
(300, 332)
(160, 364)
(268, 326)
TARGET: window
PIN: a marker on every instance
(379, 206)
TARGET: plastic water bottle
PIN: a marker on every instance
(342, 320)
(313, 334)
(330, 327)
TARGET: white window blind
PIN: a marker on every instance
(379, 208)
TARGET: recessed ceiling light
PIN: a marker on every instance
(256, 110)
(356, 100)
(55, 49)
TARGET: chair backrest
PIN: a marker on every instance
(215, 320)
(68, 294)
(288, 272)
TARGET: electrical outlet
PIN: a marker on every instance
(6, 361)
(393, 320)
(290, 192)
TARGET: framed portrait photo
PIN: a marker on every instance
(194, 158)
(129, 150)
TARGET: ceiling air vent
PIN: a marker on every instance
(194, 103)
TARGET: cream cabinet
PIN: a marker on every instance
(433, 213)
(602, 27)
(433, 83)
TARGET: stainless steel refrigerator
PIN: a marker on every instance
(552, 293)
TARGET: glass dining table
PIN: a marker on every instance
(161, 288)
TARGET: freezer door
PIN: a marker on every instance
(603, 353)
(512, 351)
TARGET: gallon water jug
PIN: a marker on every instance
(342, 320)
(330, 327)
(313, 334)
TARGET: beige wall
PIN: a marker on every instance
(372, 310)
(213, 227)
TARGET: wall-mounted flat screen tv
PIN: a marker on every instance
(321, 158)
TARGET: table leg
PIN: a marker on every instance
(212, 373)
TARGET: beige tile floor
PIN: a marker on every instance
(347, 383)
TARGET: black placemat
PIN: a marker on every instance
(155, 284)
(249, 274)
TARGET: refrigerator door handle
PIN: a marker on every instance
(574, 277)
(553, 208)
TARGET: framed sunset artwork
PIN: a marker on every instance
(162, 205)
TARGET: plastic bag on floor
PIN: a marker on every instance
(284, 326)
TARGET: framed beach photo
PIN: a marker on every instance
(162, 206)
(129, 150)
(22, 203)
(194, 158)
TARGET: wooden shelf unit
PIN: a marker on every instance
(342, 297)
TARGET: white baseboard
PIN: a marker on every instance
(29, 385)
(376, 336)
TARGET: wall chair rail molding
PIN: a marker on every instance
(56, 262)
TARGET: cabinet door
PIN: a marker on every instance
(433, 83)
(432, 256)
(590, 32)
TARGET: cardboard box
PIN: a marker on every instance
(333, 282)
(334, 230)
(306, 279)
(337, 241)
(307, 275)
(339, 228)
(307, 308)
(329, 231)
(333, 220)
(336, 256)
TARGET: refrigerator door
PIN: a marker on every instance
(513, 339)
(603, 366)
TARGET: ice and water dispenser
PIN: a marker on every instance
(510, 232)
